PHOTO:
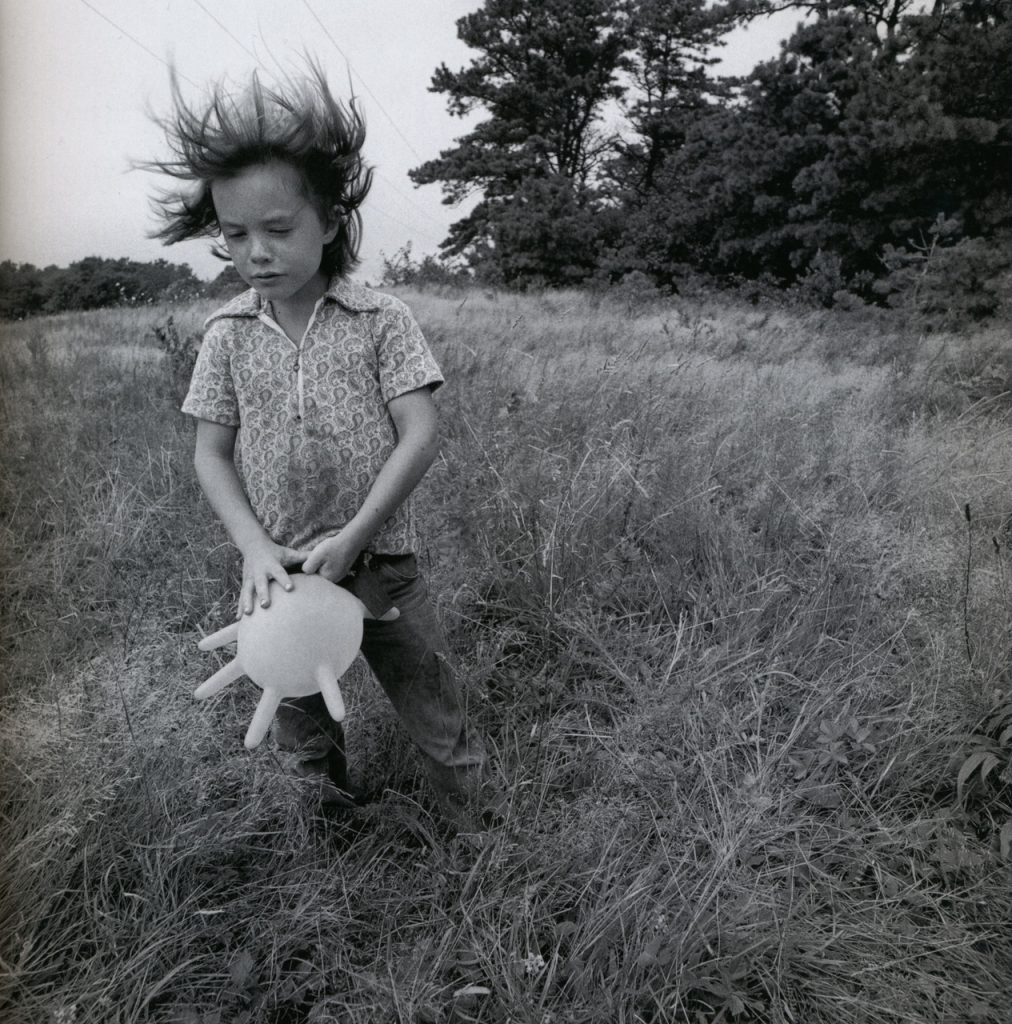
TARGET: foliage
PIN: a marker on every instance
(544, 73)
(23, 289)
(984, 779)
(227, 284)
(947, 283)
(669, 44)
(92, 283)
(403, 269)
(850, 141)
(819, 170)
(180, 349)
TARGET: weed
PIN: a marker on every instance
(180, 351)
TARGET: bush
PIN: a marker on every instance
(947, 284)
(92, 283)
(403, 269)
(181, 354)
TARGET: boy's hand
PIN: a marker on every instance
(262, 563)
(332, 558)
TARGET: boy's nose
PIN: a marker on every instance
(259, 252)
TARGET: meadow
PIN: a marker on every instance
(728, 589)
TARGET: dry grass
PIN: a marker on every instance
(708, 575)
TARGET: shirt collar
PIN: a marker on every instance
(354, 297)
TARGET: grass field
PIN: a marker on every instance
(728, 589)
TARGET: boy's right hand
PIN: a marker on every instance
(263, 562)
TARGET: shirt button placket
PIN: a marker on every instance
(298, 387)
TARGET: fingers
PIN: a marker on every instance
(331, 559)
(320, 560)
(325, 567)
(246, 592)
(280, 576)
(252, 588)
(256, 588)
(294, 556)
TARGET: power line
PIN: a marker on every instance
(259, 62)
(407, 198)
(228, 32)
(267, 48)
(137, 42)
(389, 216)
(365, 85)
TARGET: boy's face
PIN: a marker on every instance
(273, 232)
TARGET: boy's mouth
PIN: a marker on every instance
(272, 276)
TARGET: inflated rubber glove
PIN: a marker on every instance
(302, 643)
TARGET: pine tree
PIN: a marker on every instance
(670, 43)
(545, 70)
(873, 121)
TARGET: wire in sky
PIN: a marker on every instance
(365, 85)
(393, 123)
(137, 42)
(407, 198)
(259, 62)
(227, 31)
(267, 47)
(408, 227)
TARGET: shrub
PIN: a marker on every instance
(946, 283)
(181, 354)
(403, 269)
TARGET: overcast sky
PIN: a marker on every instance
(77, 76)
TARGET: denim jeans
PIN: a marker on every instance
(407, 656)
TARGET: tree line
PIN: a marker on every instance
(94, 282)
(868, 161)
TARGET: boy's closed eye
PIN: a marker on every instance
(236, 235)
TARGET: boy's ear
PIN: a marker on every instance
(333, 225)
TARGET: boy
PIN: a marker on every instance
(327, 387)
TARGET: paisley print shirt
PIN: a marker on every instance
(314, 429)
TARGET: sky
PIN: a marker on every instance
(79, 77)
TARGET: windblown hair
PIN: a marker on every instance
(299, 122)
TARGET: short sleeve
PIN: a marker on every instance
(405, 362)
(212, 392)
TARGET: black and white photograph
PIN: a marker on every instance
(506, 511)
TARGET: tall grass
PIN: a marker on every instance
(710, 581)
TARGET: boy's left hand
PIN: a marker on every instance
(332, 558)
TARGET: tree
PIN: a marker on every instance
(90, 284)
(22, 290)
(95, 282)
(227, 284)
(545, 71)
(669, 45)
(873, 120)
(669, 91)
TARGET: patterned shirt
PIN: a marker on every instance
(314, 428)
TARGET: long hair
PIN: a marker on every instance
(299, 122)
